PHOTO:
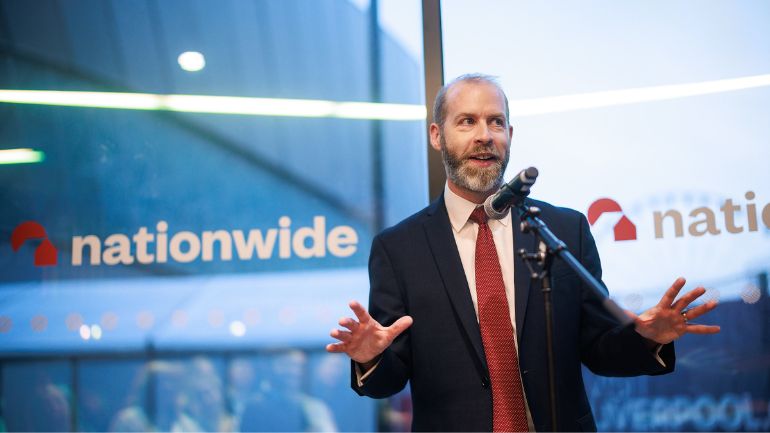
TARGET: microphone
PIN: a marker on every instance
(512, 193)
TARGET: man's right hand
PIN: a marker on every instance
(365, 339)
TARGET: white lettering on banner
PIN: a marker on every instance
(284, 237)
(704, 219)
(161, 251)
(343, 241)
(193, 247)
(729, 412)
(316, 236)
(94, 246)
(186, 246)
(118, 250)
(225, 245)
(141, 239)
(263, 245)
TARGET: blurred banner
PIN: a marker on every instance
(189, 192)
(649, 118)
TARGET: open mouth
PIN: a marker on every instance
(483, 157)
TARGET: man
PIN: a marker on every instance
(454, 312)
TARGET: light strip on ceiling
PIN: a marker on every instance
(217, 104)
(21, 156)
(364, 110)
(556, 104)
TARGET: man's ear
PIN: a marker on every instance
(435, 136)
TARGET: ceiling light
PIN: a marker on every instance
(191, 61)
(219, 104)
(21, 156)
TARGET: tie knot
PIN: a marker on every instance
(479, 216)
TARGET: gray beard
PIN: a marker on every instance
(471, 178)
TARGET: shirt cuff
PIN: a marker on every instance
(362, 375)
(655, 353)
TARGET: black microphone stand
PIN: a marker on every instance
(549, 247)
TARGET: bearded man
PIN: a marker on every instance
(453, 312)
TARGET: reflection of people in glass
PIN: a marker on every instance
(282, 405)
(187, 397)
(332, 371)
(395, 413)
(200, 401)
(130, 419)
(242, 380)
(43, 406)
(133, 416)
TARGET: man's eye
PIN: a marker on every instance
(498, 122)
(466, 121)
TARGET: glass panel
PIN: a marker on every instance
(644, 115)
(111, 396)
(185, 177)
(36, 396)
(188, 395)
(328, 381)
(297, 391)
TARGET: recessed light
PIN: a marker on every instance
(191, 61)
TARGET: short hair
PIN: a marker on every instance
(439, 105)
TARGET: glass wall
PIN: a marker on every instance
(189, 191)
(646, 116)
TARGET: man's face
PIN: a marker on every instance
(475, 139)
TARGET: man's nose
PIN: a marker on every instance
(483, 134)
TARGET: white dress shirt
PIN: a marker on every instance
(465, 233)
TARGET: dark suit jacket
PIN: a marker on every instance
(415, 269)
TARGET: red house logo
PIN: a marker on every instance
(624, 229)
(45, 254)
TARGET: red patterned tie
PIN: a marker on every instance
(508, 410)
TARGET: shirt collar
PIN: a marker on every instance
(460, 209)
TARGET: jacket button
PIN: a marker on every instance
(485, 382)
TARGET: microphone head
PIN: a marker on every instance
(530, 174)
(490, 210)
(523, 182)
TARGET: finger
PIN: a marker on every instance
(335, 348)
(344, 336)
(361, 313)
(702, 329)
(670, 295)
(695, 312)
(687, 298)
(400, 326)
(349, 323)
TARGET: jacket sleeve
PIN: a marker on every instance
(386, 304)
(608, 348)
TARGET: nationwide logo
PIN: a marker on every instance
(731, 217)
(45, 253)
(147, 246)
(624, 229)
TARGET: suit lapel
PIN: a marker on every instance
(521, 273)
(442, 244)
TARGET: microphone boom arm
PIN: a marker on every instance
(530, 222)
(550, 248)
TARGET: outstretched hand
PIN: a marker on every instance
(365, 339)
(669, 320)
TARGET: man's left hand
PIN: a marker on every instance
(671, 319)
